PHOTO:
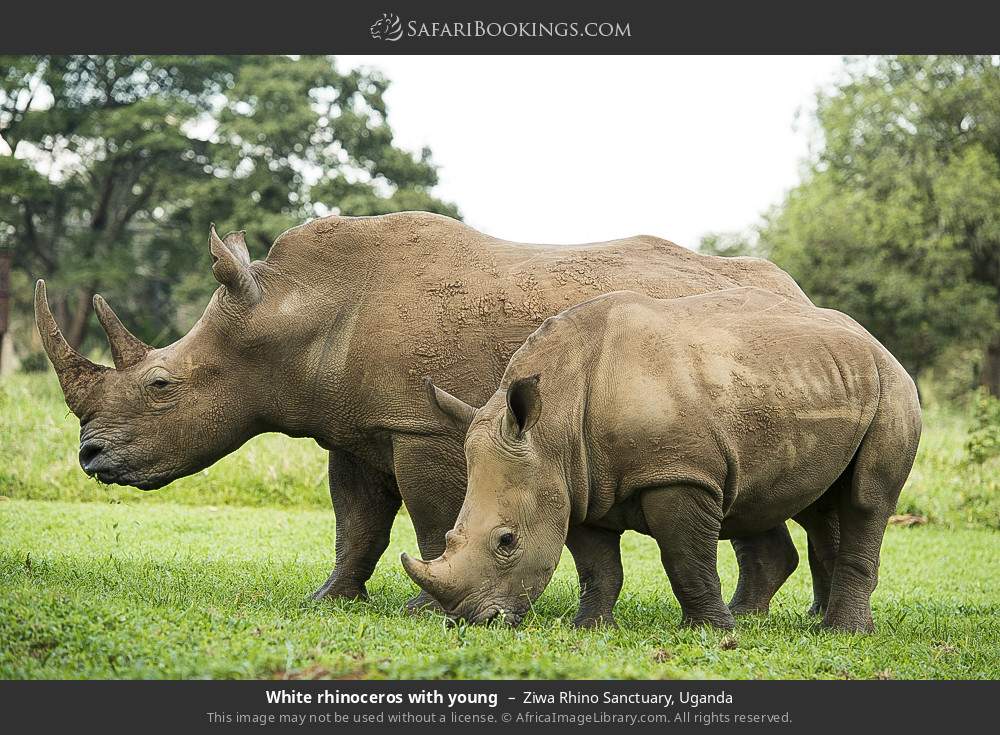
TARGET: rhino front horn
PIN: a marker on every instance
(420, 572)
(78, 376)
(126, 349)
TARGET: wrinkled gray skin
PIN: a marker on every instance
(328, 338)
(707, 417)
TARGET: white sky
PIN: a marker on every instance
(564, 149)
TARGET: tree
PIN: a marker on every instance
(898, 220)
(116, 165)
(95, 144)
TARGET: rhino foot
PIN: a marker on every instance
(336, 590)
(844, 621)
(721, 619)
(766, 560)
(817, 608)
(738, 609)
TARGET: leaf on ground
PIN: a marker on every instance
(314, 671)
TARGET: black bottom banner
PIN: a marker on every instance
(534, 706)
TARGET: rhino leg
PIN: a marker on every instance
(864, 504)
(598, 558)
(365, 503)
(823, 527)
(433, 491)
(685, 523)
(766, 560)
(855, 573)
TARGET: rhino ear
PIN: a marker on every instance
(231, 265)
(524, 406)
(237, 244)
(452, 411)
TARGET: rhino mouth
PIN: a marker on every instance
(497, 613)
(99, 461)
(487, 613)
(115, 476)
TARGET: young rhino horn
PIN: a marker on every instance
(422, 573)
(451, 411)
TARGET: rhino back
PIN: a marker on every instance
(441, 299)
(743, 392)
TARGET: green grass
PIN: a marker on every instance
(112, 590)
(209, 578)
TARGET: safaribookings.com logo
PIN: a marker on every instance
(387, 28)
(390, 28)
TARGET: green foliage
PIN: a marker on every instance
(728, 244)
(984, 434)
(944, 486)
(117, 164)
(119, 591)
(898, 220)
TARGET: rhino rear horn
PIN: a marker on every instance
(231, 265)
(78, 376)
(126, 348)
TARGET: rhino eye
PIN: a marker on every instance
(507, 541)
(160, 383)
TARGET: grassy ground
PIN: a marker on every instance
(184, 582)
(99, 590)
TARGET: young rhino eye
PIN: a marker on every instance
(507, 540)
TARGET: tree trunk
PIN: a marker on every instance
(5, 258)
(989, 378)
(78, 322)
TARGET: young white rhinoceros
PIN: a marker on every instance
(690, 420)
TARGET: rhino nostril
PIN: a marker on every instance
(89, 451)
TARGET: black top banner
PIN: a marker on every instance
(396, 27)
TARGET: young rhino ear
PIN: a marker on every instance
(231, 265)
(452, 411)
(524, 406)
